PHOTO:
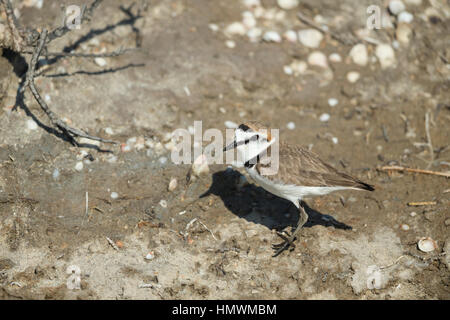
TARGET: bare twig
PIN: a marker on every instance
(399, 168)
(422, 203)
(112, 244)
(69, 132)
(13, 25)
(115, 53)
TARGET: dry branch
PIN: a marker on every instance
(399, 168)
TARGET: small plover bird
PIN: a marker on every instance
(301, 173)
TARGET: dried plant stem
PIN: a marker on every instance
(399, 168)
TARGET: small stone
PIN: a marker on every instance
(335, 57)
(447, 222)
(31, 125)
(353, 76)
(310, 38)
(109, 131)
(213, 27)
(173, 184)
(396, 6)
(272, 36)
(79, 166)
(405, 17)
(150, 256)
(335, 140)
(288, 4)
(290, 36)
(359, 54)
(291, 125)
(403, 33)
(200, 166)
(332, 102)
(413, 214)
(324, 117)
(318, 59)
(230, 44)
(100, 61)
(231, 124)
(288, 70)
(385, 55)
(236, 28)
(404, 227)
(114, 195)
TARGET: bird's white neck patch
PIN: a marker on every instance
(251, 144)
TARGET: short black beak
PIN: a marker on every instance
(230, 146)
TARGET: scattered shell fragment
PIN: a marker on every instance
(109, 131)
(335, 57)
(287, 4)
(200, 166)
(236, 28)
(332, 102)
(403, 33)
(173, 184)
(150, 256)
(404, 227)
(385, 55)
(230, 44)
(298, 67)
(359, 54)
(310, 38)
(427, 244)
(405, 17)
(163, 203)
(114, 195)
(290, 36)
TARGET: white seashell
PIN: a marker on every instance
(109, 131)
(114, 195)
(335, 140)
(324, 117)
(332, 102)
(404, 227)
(396, 6)
(427, 244)
(173, 184)
(236, 28)
(288, 70)
(310, 38)
(231, 124)
(163, 203)
(291, 125)
(385, 55)
(405, 17)
(290, 36)
(150, 256)
(359, 54)
(272, 36)
(317, 58)
(200, 165)
(287, 4)
(213, 27)
(353, 76)
(335, 57)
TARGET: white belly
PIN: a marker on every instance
(290, 192)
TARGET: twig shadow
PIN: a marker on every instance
(256, 205)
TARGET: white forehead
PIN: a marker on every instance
(245, 135)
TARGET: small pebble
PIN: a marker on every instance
(150, 256)
(324, 117)
(162, 160)
(290, 125)
(404, 227)
(288, 4)
(31, 125)
(230, 44)
(272, 36)
(359, 54)
(200, 166)
(385, 55)
(413, 214)
(310, 38)
(335, 57)
(100, 62)
(114, 195)
(290, 36)
(405, 17)
(79, 166)
(318, 59)
(109, 131)
(55, 174)
(298, 67)
(332, 102)
(335, 140)
(213, 27)
(396, 6)
(353, 76)
(236, 28)
(288, 70)
(173, 184)
(231, 124)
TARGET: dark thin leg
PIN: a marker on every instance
(289, 240)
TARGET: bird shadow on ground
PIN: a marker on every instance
(256, 205)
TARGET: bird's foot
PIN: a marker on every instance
(288, 243)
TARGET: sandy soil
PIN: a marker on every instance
(353, 247)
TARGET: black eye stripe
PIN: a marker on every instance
(244, 127)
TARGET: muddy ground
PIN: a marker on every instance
(354, 245)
